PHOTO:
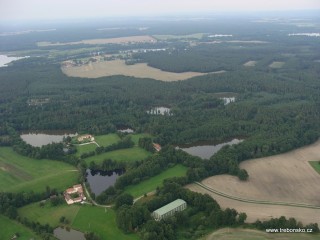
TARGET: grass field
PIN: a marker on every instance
(19, 173)
(9, 227)
(102, 140)
(249, 234)
(315, 165)
(250, 64)
(135, 137)
(281, 178)
(106, 140)
(101, 221)
(121, 155)
(276, 64)
(84, 218)
(118, 67)
(152, 183)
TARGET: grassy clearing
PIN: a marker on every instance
(48, 214)
(85, 148)
(276, 64)
(249, 234)
(121, 155)
(9, 227)
(19, 173)
(152, 183)
(190, 36)
(100, 221)
(135, 137)
(106, 140)
(84, 218)
(315, 165)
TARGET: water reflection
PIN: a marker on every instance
(70, 234)
(206, 150)
(101, 180)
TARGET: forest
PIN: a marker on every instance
(275, 110)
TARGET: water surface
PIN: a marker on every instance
(38, 139)
(206, 150)
(101, 180)
(4, 60)
(63, 234)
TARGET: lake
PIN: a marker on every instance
(4, 60)
(126, 130)
(101, 180)
(205, 150)
(63, 234)
(38, 139)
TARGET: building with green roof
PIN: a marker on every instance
(169, 209)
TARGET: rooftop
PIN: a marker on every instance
(169, 207)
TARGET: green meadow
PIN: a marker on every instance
(121, 155)
(85, 218)
(106, 140)
(19, 173)
(152, 183)
(315, 165)
(9, 227)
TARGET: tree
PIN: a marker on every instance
(243, 175)
(124, 199)
(242, 218)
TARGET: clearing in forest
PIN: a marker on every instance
(118, 67)
(250, 64)
(281, 178)
(276, 65)
(120, 40)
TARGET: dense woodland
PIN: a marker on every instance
(276, 110)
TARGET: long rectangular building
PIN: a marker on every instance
(169, 209)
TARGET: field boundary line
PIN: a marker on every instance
(302, 205)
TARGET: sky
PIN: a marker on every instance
(69, 9)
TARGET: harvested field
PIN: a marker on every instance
(120, 40)
(276, 65)
(183, 37)
(282, 178)
(250, 64)
(118, 67)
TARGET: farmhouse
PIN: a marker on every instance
(77, 190)
(169, 209)
(85, 137)
(157, 147)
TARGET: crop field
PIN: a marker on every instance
(19, 173)
(315, 165)
(120, 40)
(81, 217)
(250, 64)
(118, 67)
(281, 178)
(152, 183)
(276, 64)
(183, 37)
(249, 234)
(122, 155)
(9, 227)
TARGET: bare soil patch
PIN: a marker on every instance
(282, 178)
(120, 40)
(250, 64)
(276, 65)
(118, 67)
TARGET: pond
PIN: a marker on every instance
(160, 111)
(38, 139)
(4, 60)
(101, 180)
(206, 149)
(70, 234)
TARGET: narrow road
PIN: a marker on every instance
(302, 205)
